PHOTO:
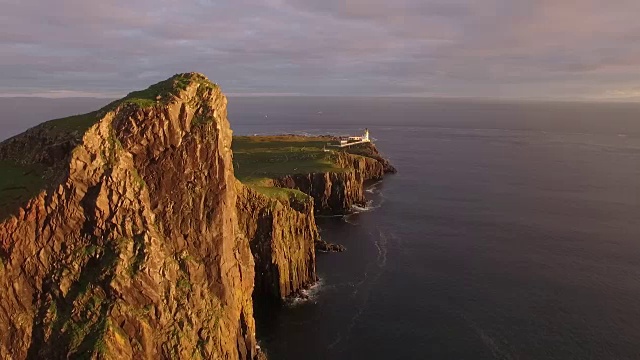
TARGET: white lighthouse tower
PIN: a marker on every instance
(366, 135)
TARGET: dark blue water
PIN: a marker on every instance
(510, 232)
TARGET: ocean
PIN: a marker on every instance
(511, 231)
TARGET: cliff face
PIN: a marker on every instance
(337, 192)
(282, 235)
(124, 234)
(132, 249)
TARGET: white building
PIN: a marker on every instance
(352, 140)
(364, 138)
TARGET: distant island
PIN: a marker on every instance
(144, 230)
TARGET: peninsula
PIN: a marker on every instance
(144, 230)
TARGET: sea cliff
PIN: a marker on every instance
(131, 247)
(336, 192)
(125, 234)
(287, 181)
(282, 233)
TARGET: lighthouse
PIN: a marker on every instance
(366, 135)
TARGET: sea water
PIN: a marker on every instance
(511, 231)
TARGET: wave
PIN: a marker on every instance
(368, 207)
(381, 246)
(305, 296)
(347, 219)
(330, 216)
(373, 189)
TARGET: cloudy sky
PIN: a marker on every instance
(582, 49)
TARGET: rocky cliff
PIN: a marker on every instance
(280, 224)
(282, 233)
(124, 233)
(336, 192)
(128, 245)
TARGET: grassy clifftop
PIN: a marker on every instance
(260, 158)
(257, 159)
(31, 160)
(159, 93)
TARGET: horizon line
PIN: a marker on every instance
(114, 96)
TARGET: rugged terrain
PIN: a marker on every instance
(130, 248)
(333, 177)
(124, 233)
(289, 179)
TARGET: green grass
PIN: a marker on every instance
(138, 179)
(183, 284)
(259, 158)
(18, 184)
(363, 150)
(158, 92)
(164, 90)
(139, 254)
(284, 194)
(154, 94)
(80, 123)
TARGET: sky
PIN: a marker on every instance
(522, 49)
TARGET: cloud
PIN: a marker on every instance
(501, 48)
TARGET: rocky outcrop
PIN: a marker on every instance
(282, 230)
(132, 238)
(324, 246)
(370, 150)
(132, 249)
(337, 192)
(282, 233)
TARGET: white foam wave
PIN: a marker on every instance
(373, 186)
(381, 246)
(305, 296)
(368, 207)
(329, 216)
(357, 208)
(348, 219)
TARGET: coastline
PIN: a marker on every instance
(126, 232)
(277, 210)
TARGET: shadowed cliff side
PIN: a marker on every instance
(120, 238)
(282, 233)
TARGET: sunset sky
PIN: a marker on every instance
(540, 49)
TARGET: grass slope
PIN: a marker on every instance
(257, 159)
(157, 93)
(19, 182)
(260, 158)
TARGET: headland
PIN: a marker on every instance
(144, 230)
